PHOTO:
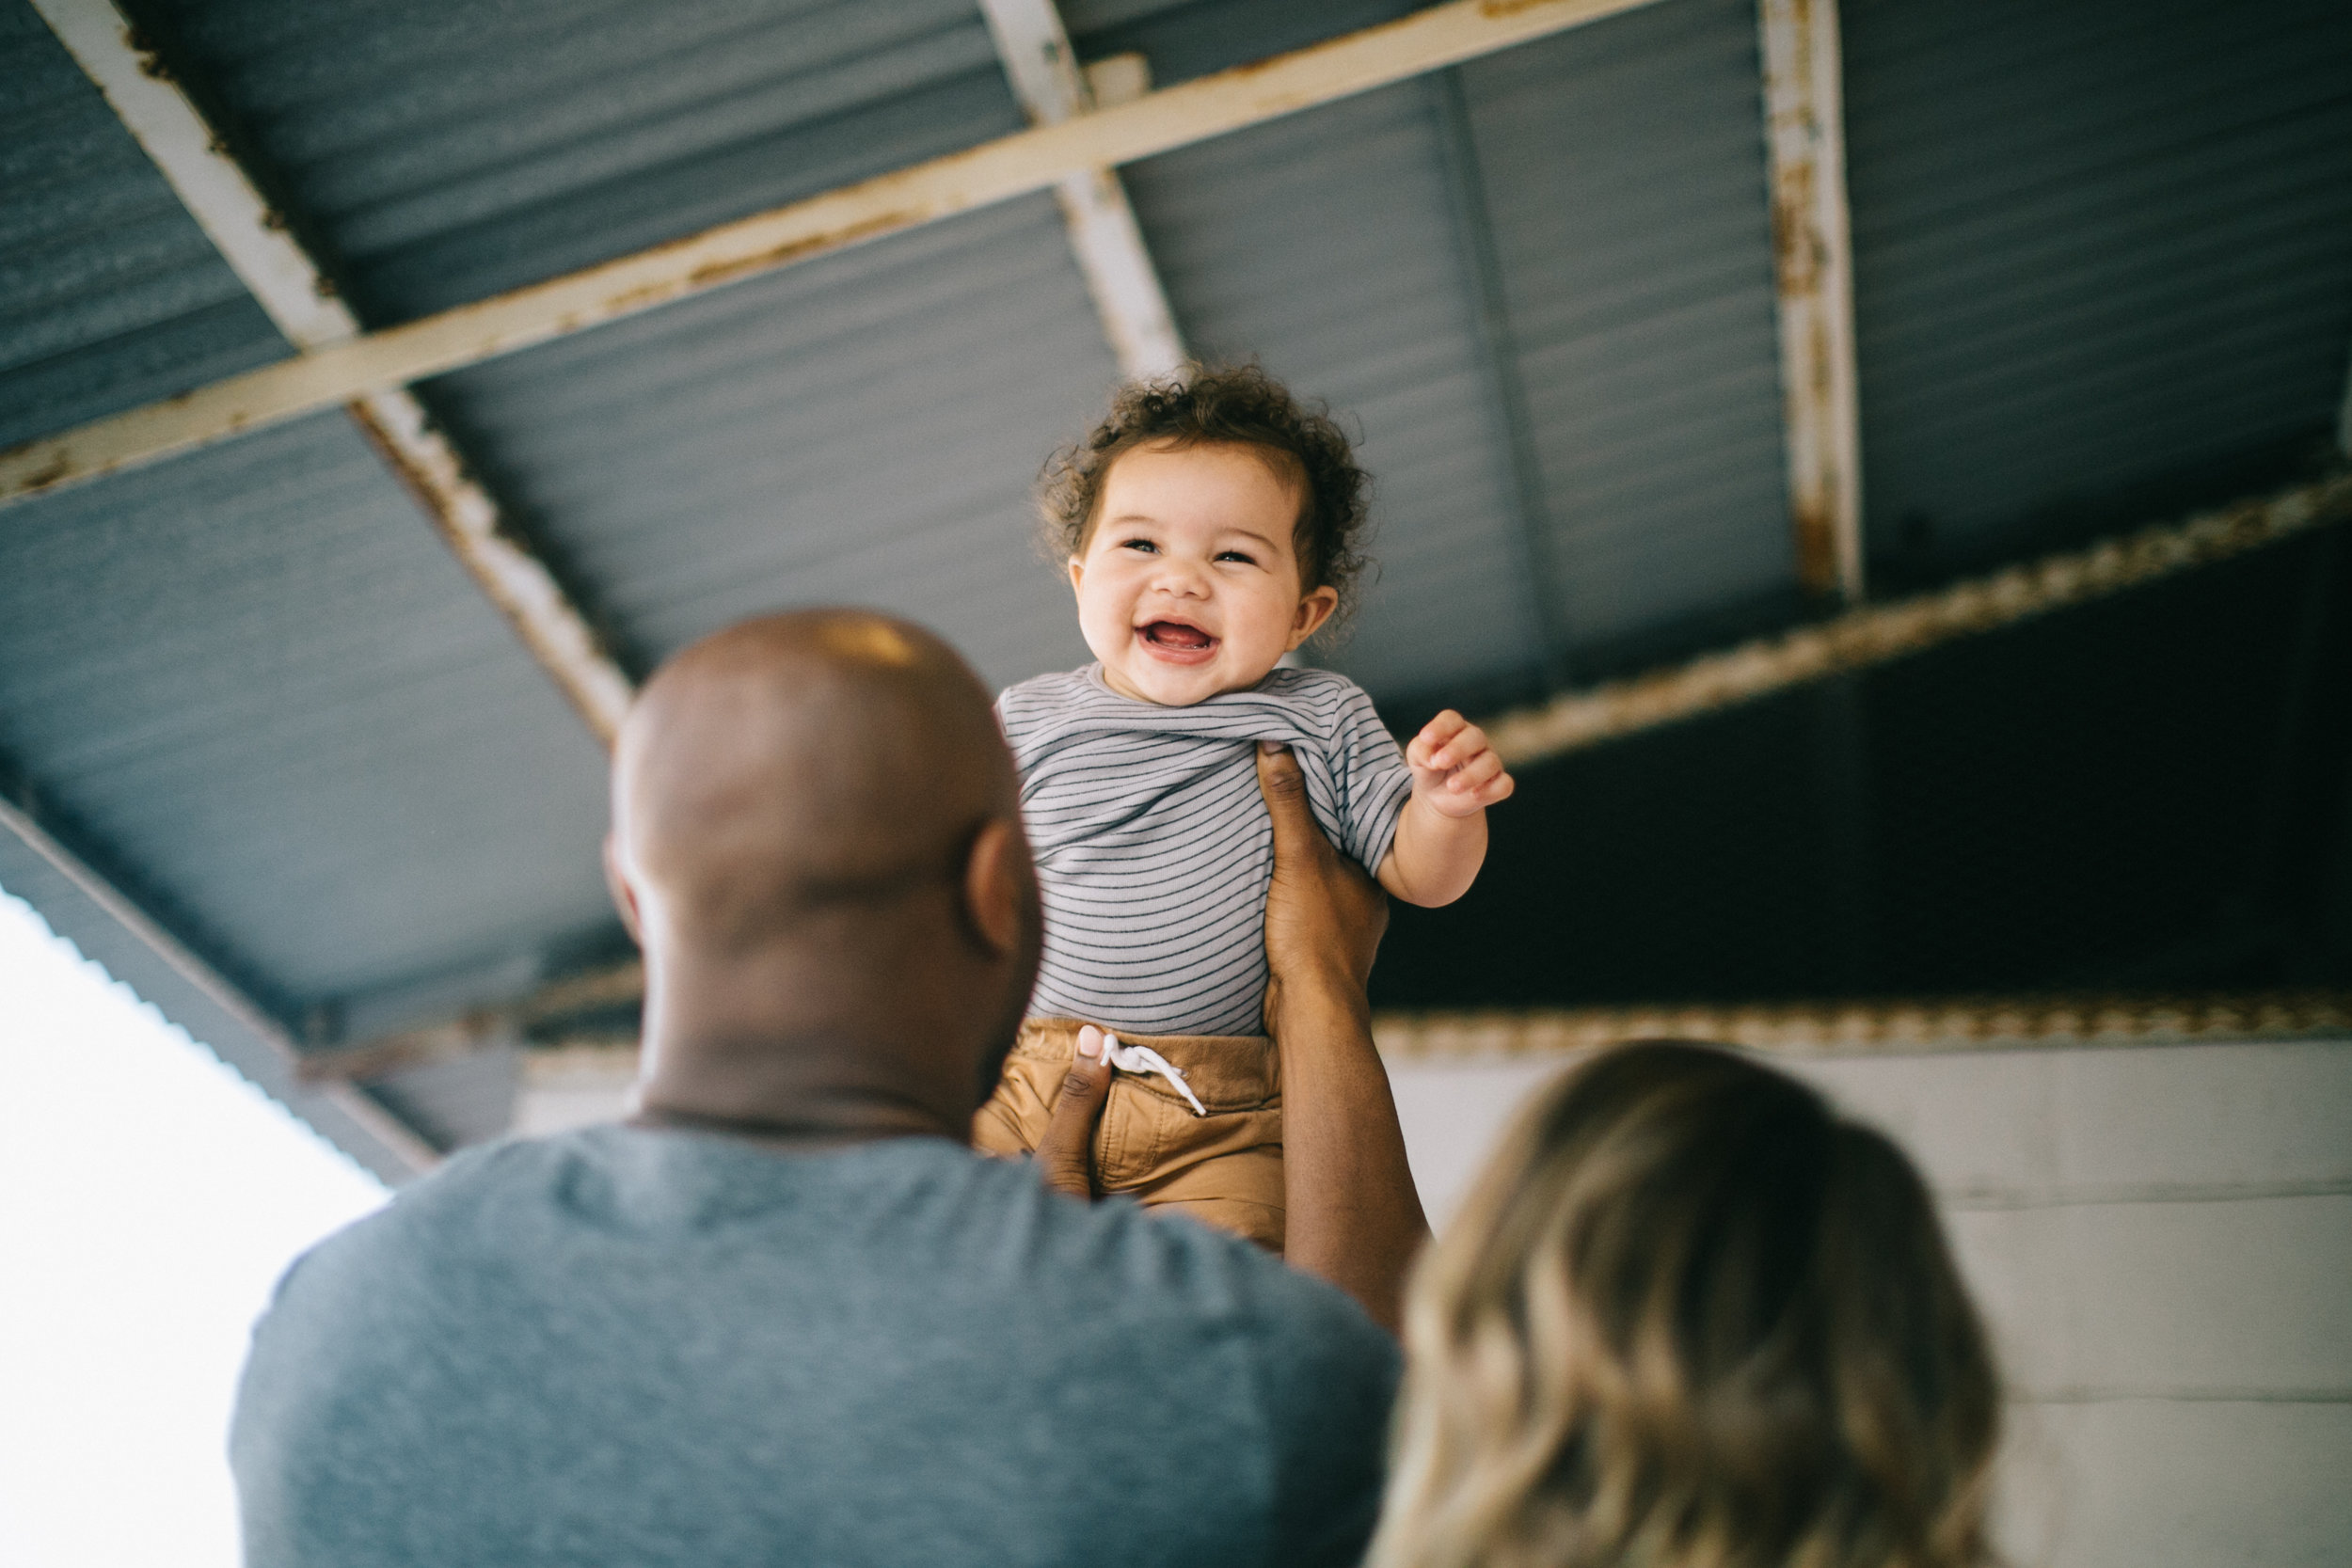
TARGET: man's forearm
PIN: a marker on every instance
(1354, 1217)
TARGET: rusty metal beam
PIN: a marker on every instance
(269, 1057)
(1880, 633)
(1813, 254)
(614, 985)
(295, 292)
(994, 171)
(1897, 1027)
(1103, 234)
(1874, 1028)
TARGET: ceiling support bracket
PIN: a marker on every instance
(1103, 234)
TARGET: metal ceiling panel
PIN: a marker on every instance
(110, 295)
(1624, 170)
(865, 428)
(2103, 257)
(1185, 39)
(446, 151)
(259, 682)
(1324, 245)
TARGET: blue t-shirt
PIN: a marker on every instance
(627, 1346)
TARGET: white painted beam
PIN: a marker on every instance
(1032, 160)
(1103, 234)
(1805, 128)
(294, 292)
(1878, 634)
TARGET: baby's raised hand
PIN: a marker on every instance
(1455, 769)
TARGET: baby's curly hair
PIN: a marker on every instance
(1236, 404)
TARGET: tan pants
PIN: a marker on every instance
(1223, 1169)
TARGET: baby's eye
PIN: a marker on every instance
(1244, 557)
(1144, 545)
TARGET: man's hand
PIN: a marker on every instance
(1065, 1155)
(1455, 769)
(1324, 917)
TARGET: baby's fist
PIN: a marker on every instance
(1455, 769)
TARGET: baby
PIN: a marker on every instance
(1210, 525)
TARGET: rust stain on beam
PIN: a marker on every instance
(614, 986)
(508, 574)
(1872, 1028)
(1878, 634)
(1032, 160)
(1813, 260)
(463, 1035)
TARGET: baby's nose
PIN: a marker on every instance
(1181, 576)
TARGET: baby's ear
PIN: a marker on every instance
(1078, 572)
(1313, 609)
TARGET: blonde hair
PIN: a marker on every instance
(1689, 1317)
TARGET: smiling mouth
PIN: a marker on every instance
(1177, 642)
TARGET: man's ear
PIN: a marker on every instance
(1313, 609)
(624, 895)
(993, 877)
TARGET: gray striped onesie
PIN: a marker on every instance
(1153, 844)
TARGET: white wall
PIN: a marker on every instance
(2162, 1240)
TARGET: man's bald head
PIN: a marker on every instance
(816, 838)
(802, 763)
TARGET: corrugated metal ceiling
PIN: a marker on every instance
(110, 295)
(447, 152)
(2097, 247)
(256, 676)
(2102, 254)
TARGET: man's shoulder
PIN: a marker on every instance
(438, 1211)
(987, 1220)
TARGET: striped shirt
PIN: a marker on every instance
(1153, 846)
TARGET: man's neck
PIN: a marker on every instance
(784, 1136)
(783, 1086)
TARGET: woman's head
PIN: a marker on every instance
(1691, 1317)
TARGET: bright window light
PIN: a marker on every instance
(149, 1199)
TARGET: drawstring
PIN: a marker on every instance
(1142, 1058)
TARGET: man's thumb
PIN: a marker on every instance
(1065, 1154)
(1279, 779)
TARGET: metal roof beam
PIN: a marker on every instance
(1103, 234)
(235, 1028)
(292, 287)
(1921, 1026)
(1879, 634)
(1806, 131)
(994, 171)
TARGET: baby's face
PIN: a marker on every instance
(1189, 583)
